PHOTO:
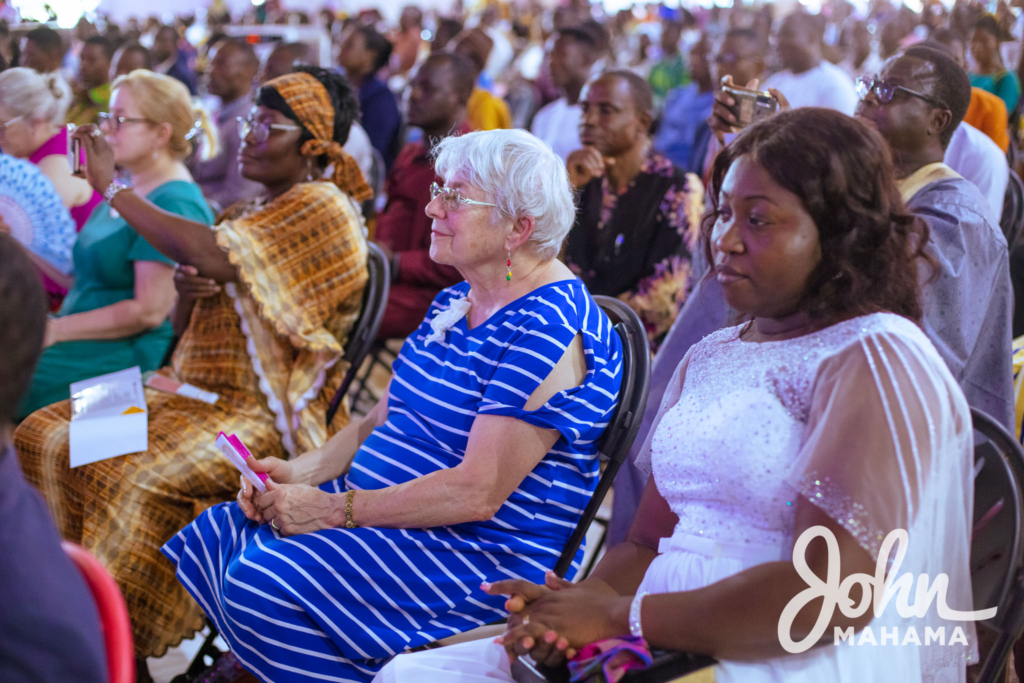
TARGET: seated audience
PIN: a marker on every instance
(50, 631)
(686, 111)
(807, 79)
(473, 467)
(407, 41)
(448, 28)
(637, 216)
(987, 112)
(363, 54)
(131, 57)
(861, 58)
(967, 304)
(670, 71)
(232, 75)
(115, 314)
(43, 52)
(572, 59)
(33, 128)
(831, 295)
(170, 60)
(285, 59)
(989, 72)
(437, 106)
(484, 111)
(280, 278)
(92, 90)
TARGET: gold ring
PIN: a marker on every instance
(526, 620)
(273, 523)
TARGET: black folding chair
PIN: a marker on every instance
(375, 300)
(625, 423)
(997, 552)
(1012, 220)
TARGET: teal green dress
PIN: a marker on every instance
(104, 255)
(1005, 86)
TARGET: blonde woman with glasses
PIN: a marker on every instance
(115, 315)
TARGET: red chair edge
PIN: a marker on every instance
(117, 627)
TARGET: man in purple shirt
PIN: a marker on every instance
(49, 628)
(232, 74)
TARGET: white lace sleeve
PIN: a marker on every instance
(889, 446)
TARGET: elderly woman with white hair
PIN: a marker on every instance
(475, 466)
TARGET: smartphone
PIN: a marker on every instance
(751, 105)
(75, 154)
(235, 451)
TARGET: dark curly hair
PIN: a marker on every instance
(343, 99)
(841, 171)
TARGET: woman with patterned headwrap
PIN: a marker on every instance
(284, 275)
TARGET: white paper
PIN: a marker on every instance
(109, 417)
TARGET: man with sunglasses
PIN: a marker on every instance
(916, 103)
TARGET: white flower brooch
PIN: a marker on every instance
(445, 320)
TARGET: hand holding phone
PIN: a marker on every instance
(75, 154)
(751, 105)
(235, 451)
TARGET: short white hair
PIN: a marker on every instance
(23, 92)
(520, 174)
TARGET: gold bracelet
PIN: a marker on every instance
(349, 497)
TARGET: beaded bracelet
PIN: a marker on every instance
(349, 497)
(635, 627)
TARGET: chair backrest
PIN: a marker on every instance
(625, 423)
(375, 300)
(1012, 220)
(997, 551)
(117, 627)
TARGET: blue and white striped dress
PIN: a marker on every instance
(334, 605)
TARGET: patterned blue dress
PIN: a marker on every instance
(334, 605)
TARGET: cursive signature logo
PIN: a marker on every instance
(877, 590)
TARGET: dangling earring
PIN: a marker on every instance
(309, 171)
(156, 155)
(508, 263)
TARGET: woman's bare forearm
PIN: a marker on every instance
(333, 459)
(178, 238)
(622, 568)
(116, 321)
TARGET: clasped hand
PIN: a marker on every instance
(291, 509)
(551, 622)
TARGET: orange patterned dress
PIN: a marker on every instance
(270, 346)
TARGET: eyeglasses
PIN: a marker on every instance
(451, 199)
(260, 129)
(885, 91)
(115, 122)
(8, 124)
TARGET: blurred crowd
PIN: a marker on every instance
(235, 169)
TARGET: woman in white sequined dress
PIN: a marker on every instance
(829, 408)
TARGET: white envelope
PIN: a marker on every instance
(109, 417)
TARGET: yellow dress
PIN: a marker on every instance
(270, 347)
